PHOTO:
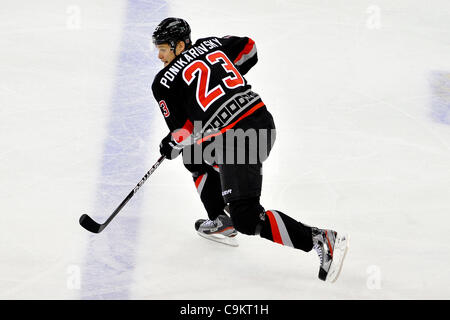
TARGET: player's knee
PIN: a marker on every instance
(245, 215)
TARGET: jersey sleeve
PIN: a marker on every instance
(181, 128)
(242, 51)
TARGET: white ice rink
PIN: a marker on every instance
(360, 93)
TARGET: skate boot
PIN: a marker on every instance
(221, 225)
(331, 249)
(221, 230)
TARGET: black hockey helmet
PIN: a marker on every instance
(170, 31)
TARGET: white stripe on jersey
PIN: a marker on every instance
(247, 56)
(282, 228)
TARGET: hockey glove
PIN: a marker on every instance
(169, 148)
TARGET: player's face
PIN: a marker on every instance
(165, 54)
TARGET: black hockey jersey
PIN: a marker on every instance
(202, 92)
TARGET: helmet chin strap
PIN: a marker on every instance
(173, 47)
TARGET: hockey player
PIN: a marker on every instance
(203, 96)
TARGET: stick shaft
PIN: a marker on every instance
(132, 193)
(87, 222)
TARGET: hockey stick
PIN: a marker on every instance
(89, 224)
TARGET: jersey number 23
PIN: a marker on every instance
(200, 70)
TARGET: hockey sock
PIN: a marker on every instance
(209, 188)
(280, 228)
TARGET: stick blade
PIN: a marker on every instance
(89, 224)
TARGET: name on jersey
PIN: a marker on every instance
(186, 57)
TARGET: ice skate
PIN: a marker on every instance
(331, 248)
(220, 230)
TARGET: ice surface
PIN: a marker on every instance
(368, 152)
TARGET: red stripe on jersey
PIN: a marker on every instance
(181, 134)
(276, 236)
(248, 47)
(329, 243)
(199, 179)
(249, 112)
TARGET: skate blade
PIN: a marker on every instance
(230, 241)
(340, 251)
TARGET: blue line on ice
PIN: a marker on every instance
(109, 260)
(440, 100)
